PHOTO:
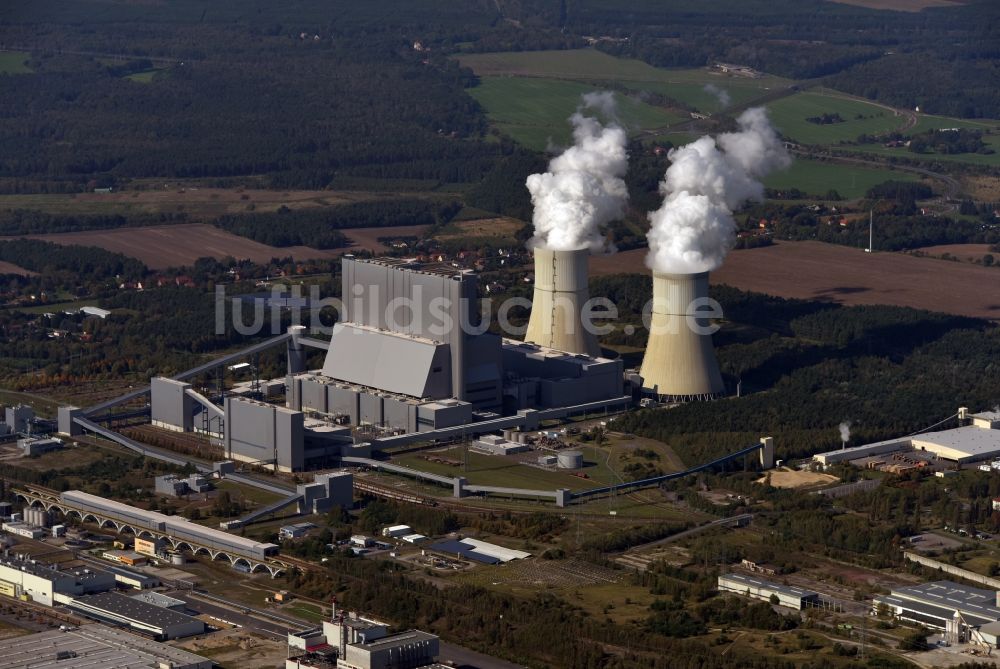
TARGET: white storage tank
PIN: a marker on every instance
(570, 460)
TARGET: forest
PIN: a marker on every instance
(334, 93)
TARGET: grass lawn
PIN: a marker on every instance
(789, 116)
(14, 62)
(305, 610)
(816, 178)
(535, 111)
(256, 495)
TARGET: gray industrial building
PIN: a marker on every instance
(408, 356)
(939, 604)
(94, 646)
(18, 418)
(351, 642)
(174, 526)
(758, 588)
(138, 615)
(38, 445)
(44, 584)
(173, 485)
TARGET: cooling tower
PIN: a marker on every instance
(680, 364)
(560, 293)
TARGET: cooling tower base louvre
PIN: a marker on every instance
(679, 364)
(559, 297)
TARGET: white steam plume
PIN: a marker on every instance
(707, 180)
(845, 431)
(583, 188)
(720, 94)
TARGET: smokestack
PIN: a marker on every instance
(560, 293)
(680, 363)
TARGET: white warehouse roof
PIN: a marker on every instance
(960, 443)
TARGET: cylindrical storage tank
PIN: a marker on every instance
(570, 460)
(560, 293)
(177, 558)
(680, 364)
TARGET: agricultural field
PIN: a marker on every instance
(840, 274)
(163, 246)
(858, 117)
(817, 178)
(685, 85)
(14, 62)
(484, 227)
(964, 252)
(145, 77)
(899, 5)
(178, 198)
(11, 268)
(535, 111)
(688, 86)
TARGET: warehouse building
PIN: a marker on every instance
(935, 604)
(174, 526)
(161, 600)
(94, 646)
(137, 615)
(479, 551)
(31, 446)
(976, 439)
(173, 485)
(758, 588)
(45, 585)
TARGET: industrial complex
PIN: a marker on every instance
(976, 439)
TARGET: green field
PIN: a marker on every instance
(685, 85)
(990, 160)
(14, 62)
(816, 178)
(144, 77)
(535, 111)
(505, 471)
(927, 122)
(789, 116)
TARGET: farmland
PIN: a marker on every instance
(535, 111)
(817, 271)
(197, 203)
(14, 62)
(10, 268)
(858, 117)
(987, 159)
(899, 5)
(163, 246)
(816, 178)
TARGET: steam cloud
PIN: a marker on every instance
(583, 188)
(845, 431)
(707, 180)
(720, 94)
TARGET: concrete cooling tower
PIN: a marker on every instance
(560, 293)
(680, 364)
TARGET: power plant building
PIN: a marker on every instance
(935, 604)
(975, 441)
(409, 355)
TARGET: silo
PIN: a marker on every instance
(680, 363)
(570, 460)
(559, 295)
